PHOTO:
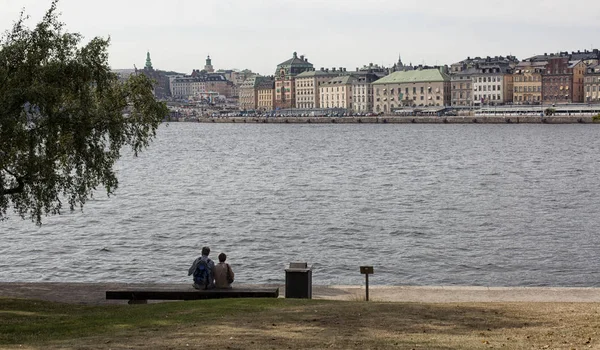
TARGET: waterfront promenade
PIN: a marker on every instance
(479, 119)
(94, 293)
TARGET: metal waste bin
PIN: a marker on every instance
(298, 281)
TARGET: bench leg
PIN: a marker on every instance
(137, 301)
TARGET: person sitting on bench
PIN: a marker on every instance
(223, 273)
(203, 270)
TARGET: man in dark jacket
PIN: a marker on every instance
(203, 270)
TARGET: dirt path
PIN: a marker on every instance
(94, 293)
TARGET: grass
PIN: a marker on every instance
(298, 324)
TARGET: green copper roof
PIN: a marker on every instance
(413, 76)
(148, 61)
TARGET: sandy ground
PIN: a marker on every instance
(94, 293)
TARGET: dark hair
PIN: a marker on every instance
(205, 251)
(222, 257)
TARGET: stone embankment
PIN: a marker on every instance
(491, 119)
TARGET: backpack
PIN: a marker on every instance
(202, 274)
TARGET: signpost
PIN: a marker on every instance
(366, 270)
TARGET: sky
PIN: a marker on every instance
(259, 34)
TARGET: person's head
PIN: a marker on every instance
(222, 257)
(205, 251)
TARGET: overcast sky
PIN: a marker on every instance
(259, 34)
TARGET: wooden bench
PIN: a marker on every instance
(142, 296)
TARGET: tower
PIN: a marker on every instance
(208, 67)
(148, 62)
(400, 65)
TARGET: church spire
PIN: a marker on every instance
(148, 61)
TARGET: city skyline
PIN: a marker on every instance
(258, 35)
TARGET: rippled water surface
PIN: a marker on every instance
(488, 205)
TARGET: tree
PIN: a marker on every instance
(64, 118)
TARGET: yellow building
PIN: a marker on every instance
(527, 82)
(266, 93)
(308, 83)
(337, 93)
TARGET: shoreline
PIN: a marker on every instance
(480, 119)
(94, 293)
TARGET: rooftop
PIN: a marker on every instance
(414, 76)
(322, 72)
(342, 80)
(296, 61)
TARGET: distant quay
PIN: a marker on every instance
(479, 119)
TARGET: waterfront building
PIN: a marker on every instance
(592, 84)
(482, 80)
(248, 94)
(186, 86)
(562, 81)
(308, 83)
(285, 80)
(192, 86)
(362, 89)
(527, 81)
(553, 78)
(462, 90)
(266, 93)
(493, 84)
(337, 93)
(419, 87)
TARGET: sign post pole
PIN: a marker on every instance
(366, 270)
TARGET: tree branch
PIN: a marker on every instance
(14, 190)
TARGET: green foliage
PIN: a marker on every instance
(64, 118)
(596, 118)
(549, 111)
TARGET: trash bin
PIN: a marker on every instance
(298, 281)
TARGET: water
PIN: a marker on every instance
(483, 205)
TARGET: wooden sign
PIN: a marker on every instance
(366, 270)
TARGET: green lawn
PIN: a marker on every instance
(298, 324)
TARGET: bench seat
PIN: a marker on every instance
(142, 296)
